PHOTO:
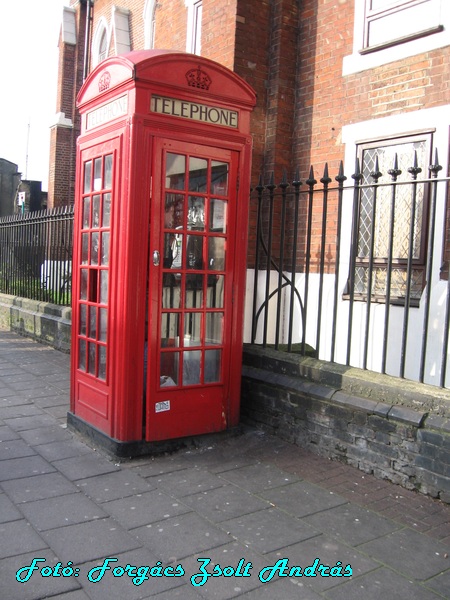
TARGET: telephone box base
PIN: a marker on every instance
(134, 449)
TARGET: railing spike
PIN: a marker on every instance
(340, 177)
(311, 181)
(326, 179)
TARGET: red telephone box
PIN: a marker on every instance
(163, 177)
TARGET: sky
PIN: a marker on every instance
(29, 33)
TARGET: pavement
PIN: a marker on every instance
(245, 516)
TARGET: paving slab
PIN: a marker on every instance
(89, 541)
(187, 481)
(61, 511)
(284, 589)
(37, 587)
(8, 511)
(258, 477)
(19, 537)
(46, 434)
(381, 584)
(113, 486)
(38, 487)
(144, 508)
(15, 449)
(67, 448)
(352, 524)
(177, 537)
(87, 465)
(268, 530)
(410, 553)
(440, 584)
(28, 466)
(224, 503)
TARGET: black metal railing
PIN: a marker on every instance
(350, 272)
(36, 255)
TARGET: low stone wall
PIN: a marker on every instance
(40, 321)
(396, 429)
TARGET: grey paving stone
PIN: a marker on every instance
(267, 530)
(17, 468)
(62, 449)
(379, 585)
(188, 481)
(87, 465)
(37, 587)
(21, 410)
(115, 485)
(329, 552)
(15, 449)
(284, 589)
(53, 400)
(77, 595)
(19, 537)
(8, 512)
(258, 477)
(24, 423)
(440, 583)
(46, 434)
(38, 487)
(230, 555)
(352, 524)
(303, 498)
(7, 434)
(158, 465)
(184, 592)
(175, 538)
(226, 502)
(89, 541)
(144, 508)
(410, 553)
(61, 510)
(112, 587)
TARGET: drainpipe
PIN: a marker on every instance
(87, 37)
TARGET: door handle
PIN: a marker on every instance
(156, 258)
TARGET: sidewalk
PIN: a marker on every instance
(234, 500)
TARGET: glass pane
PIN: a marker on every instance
(97, 174)
(94, 248)
(191, 367)
(83, 319)
(215, 291)
(103, 287)
(218, 216)
(196, 213)
(195, 252)
(93, 322)
(84, 248)
(174, 213)
(86, 212)
(192, 329)
(91, 360)
(103, 324)
(175, 171)
(170, 330)
(216, 253)
(96, 211)
(219, 178)
(213, 360)
(198, 174)
(82, 355)
(171, 293)
(175, 243)
(106, 220)
(83, 284)
(169, 369)
(108, 171)
(214, 327)
(102, 362)
(87, 176)
(105, 249)
(194, 291)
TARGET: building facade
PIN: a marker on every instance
(336, 81)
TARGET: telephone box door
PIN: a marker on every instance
(190, 297)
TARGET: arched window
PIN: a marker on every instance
(100, 43)
(149, 23)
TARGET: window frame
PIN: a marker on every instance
(398, 263)
(194, 26)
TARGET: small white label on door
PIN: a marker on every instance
(162, 406)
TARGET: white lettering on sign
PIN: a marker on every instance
(162, 406)
(107, 112)
(194, 111)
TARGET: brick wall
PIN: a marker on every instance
(397, 434)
